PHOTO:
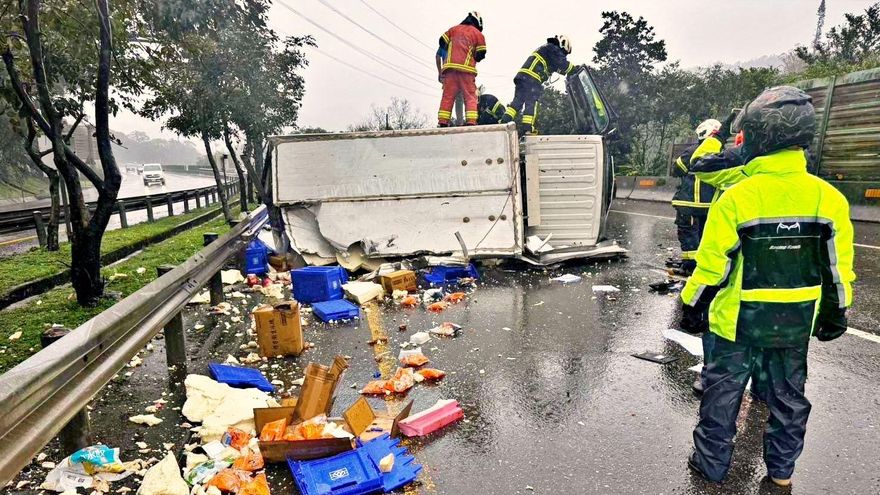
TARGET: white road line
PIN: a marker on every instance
(863, 334)
(866, 246)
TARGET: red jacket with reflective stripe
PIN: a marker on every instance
(464, 46)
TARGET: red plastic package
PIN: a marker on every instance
(409, 302)
(230, 480)
(437, 307)
(431, 373)
(252, 461)
(455, 297)
(414, 360)
(273, 431)
(237, 439)
(375, 387)
(401, 381)
(258, 486)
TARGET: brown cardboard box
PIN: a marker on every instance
(367, 424)
(360, 419)
(301, 450)
(319, 388)
(279, 332)
(399, 280)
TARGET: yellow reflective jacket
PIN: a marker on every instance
(775, 245)
(720, 179)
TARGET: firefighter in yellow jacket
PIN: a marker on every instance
(774, 268)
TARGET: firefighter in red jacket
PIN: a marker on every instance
(464, 46)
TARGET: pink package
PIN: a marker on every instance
(432, 419)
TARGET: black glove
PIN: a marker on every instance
(694, 319)
(724, 133)
(830, 324)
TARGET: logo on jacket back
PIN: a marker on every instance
(787, 228)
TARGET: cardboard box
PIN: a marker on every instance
(360, 420)
(300, 450)
(399, 280)
(319, 388)
(279, 331)
(365, 423)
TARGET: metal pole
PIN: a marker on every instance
(175, 338)
(77, 433)
(185, 202)
(216, 283)
(123, 220)
(829, 95)
(150, 210)
(41, 228)
(198, 200)
(170, 205)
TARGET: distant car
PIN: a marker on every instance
(140, 169)
(153, 173)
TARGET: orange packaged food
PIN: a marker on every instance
(409, 302)
(437, 307)
(230, 480)
(401, 381)
(258, 486)
(414, 360)
(252, 461)
(273, 431)
(375, 387)
(292, 434)
(313, 428)
(455, 297)
(237, 439)
(431, 373)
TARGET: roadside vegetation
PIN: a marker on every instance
(59, 306)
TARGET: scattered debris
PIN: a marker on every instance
(691, 343)
(432, 419)
(605, 288)
(419, 338)
(15, 336)
(164, 479)
(145, 419)
(446, 329)
(568, 278)
(231, 277)
(656, 357)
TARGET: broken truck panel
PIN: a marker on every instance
(401, 193)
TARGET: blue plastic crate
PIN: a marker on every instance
(318, 283)
(335, 310)
(444, 274)
(239, 377)
(405, 470)
(256, 258)
(349, 473)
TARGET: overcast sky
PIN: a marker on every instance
(339, 92)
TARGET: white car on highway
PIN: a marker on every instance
(153, 173)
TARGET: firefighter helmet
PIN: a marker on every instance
(476, 18)
(707, 128)
(778, 118)
(563, 42)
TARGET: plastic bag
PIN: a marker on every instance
(437, 307)
(98, 459)
(235, 438)
(375, 387)
(313, 428)
(414, 360)
(409, 302)
(251, 461)
(401, 381)
(455, 297)
(204, 471)
(291, 434)
(258, 486)
(230, 480)
(431, 373)
(273, 431)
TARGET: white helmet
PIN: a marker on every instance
(476, 15)
(708, 127)
(564, 43)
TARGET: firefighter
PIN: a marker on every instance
(692, 200)
(464, 46)
(549, 58)
(490, 110)
(775, 267)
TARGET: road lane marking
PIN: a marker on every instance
(21, 239)
(863, 334)
(866, 246)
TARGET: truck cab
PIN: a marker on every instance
(361, 198)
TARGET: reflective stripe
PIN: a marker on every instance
(531, 73)
(470, 114)
(688, 255)
(528, 119)
(690, 204)
(481, 48)
(446, 38)
(801, 294)
(467, 60)
(510, 111)
(459, 67)
(496, 108)
(681, 164)
(444, 114)
(569, 69)
(697, 190)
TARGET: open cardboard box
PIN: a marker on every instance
(361, 420)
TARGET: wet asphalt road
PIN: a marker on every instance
(132, 185)
(553, 400)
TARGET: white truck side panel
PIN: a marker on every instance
(564, 188)
(399, 193)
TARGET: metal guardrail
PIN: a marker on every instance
(39, 396)
(25, 218)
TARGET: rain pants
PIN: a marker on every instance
(691, 202)
(776, 244)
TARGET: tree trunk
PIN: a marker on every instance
(54, 187)
(242, 181)
(218, 179)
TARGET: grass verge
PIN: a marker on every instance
(36, 264)
(58, 306)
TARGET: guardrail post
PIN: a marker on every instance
(41, 228)
(215, 285)
(207, 197)
(198, 200)
(77, 433)
(123, 220)
(185, 202)
(175, 338)
(150, 217)
(170, 205)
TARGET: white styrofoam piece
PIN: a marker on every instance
(691, 343)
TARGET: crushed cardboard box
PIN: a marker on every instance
(279, 329)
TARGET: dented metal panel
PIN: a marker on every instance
(401, 193)
(564, 179)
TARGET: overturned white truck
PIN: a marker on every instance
(362, 197)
